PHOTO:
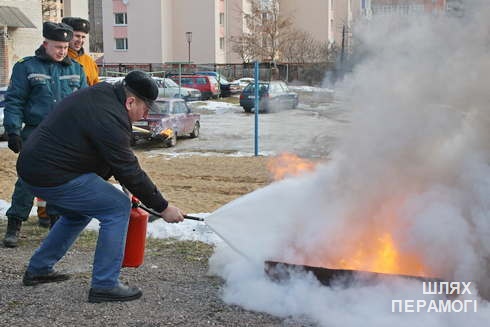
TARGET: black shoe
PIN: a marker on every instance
(44, 222)
(119, 293)
(12, 233)
(52, 277)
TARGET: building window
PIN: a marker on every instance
(221, 18)
(121, 18)
(122, 44)
(221, 43)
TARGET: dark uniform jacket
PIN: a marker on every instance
(88, 132)
(37, 84)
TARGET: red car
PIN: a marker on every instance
(208, 85)
(168, 119)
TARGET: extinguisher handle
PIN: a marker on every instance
(138, 204)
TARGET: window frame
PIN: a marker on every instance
(125, 18)
(125, 45)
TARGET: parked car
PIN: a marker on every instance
(243, 82)
(168, 119)
(167, 88)
(273, 95)
(227, 88)
(3, 90)
(208, 85)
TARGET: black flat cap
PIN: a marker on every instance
(57, 31)
(77, 23)
(142, 85)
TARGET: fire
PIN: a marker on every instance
(370, 239)
(288, 164)
(382, 256)
(366, 242)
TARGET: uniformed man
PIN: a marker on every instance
(81, 28)
(37, 84)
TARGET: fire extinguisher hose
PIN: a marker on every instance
(153, 212)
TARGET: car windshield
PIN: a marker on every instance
(187, 80)
(250, 88)
(223, 80)
(160, 107)
(171, 83)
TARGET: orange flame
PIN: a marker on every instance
(368, 241)
(382, 256)
(288, 164)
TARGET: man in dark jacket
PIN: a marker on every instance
(83, 142)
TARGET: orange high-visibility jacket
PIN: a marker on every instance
(89, 65)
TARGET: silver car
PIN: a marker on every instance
(167, 88)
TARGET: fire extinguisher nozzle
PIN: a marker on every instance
(193, 218)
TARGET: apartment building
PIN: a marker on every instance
(156, 31)
(20, 33)
(407, 7)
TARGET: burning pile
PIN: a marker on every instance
(373, 249)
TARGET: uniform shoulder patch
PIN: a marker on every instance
(25, 59)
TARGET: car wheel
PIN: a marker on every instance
(172, 141)
(195, 131)
(247, 109)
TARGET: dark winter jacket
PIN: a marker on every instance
(88, 132)
(37, 84)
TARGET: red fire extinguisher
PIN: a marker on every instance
(134, 252)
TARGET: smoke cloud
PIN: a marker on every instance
(413, 163)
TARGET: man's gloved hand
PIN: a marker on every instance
(15, 142)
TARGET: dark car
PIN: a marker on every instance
(227, 88)
(273, 95)
(168, 119)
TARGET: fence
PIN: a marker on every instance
(309, 73)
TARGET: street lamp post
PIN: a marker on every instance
(188, 37)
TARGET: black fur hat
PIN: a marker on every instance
(142, 85)
(57, 31)
(77, 23)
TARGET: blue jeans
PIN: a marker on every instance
(79, 200)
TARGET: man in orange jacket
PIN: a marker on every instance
(81, 27)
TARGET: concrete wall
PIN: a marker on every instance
(235, 25)
(75, 8)
(21, 41)
(199, 18)
(144, 31)
(313, 18)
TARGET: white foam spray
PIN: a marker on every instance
(413, 163)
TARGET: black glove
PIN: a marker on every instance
(15, 142)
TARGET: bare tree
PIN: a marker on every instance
(267, 32)
(271, 37)
(303, 48)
